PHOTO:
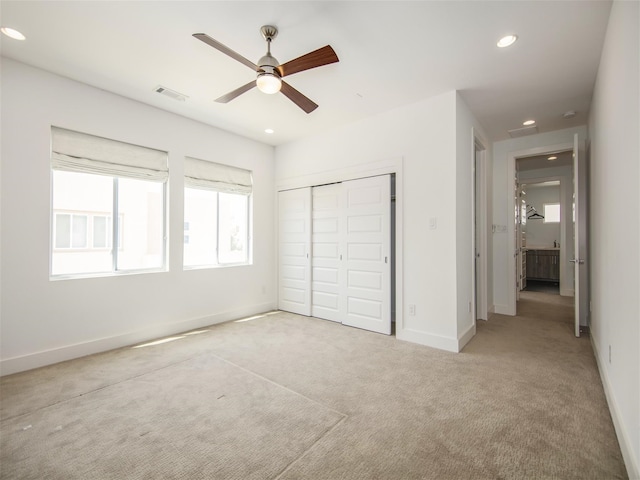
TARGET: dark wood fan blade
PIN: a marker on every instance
(236, 93)
(224, 49)
(317, 58)
(299, 99)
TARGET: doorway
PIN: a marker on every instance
(571, 258)
(541, 229)
(479, 225)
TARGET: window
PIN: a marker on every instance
(551, 213)
(106, 193)
(216, 214)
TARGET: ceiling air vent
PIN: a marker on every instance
(170, 93)
(522, 132)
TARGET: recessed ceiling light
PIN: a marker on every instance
(507, 40)
(12, 33)
(526, 123)
(551, 158)
(268, 130)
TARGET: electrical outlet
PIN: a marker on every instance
(412, 309)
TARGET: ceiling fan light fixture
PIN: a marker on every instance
(268, 83)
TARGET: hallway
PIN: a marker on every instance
(544, 362)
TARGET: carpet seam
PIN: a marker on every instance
(303, 454)
(279, 385)
(88, 392)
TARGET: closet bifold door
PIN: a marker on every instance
(366, 244)
(326, 272)
(294, 251)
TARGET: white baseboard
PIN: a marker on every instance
(502, 309)
(466, 336)
(68, 352)
(567, 292)
(428, 339)
(630, 459)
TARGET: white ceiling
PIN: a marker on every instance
(392, 53)
(537, 162)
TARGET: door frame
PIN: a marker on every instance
(373, 169)
(511, 205)
(479, 290)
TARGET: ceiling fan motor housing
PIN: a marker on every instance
(269, 64)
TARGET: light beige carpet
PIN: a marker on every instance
(290, 397)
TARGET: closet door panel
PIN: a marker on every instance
(366, 291)
(294, 272)
(325, 247)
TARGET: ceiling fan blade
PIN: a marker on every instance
(224, 49)
(299, 99)
(317, 58)
(236, 93)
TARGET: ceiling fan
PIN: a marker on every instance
(270, 72)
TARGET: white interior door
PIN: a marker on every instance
(326, 272)
(367, 289)
(580, 239)
(294, 282)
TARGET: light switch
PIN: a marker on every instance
(433, 223)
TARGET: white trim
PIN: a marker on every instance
(69, 352)
(440, 342)
(624, 437)
(353, 172)
(466, 336)
(502, 309)
(384, 167)
(480, 303)
(511, 205)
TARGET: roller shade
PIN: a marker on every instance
(215, 176)
(80, 152)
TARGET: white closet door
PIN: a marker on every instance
(294, 291)
(367, 290)
(325, 264)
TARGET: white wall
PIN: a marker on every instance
(423, 137)
(615, 218)
(466, 127)
(502, 189)
(45, 321)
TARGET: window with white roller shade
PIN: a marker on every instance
(108, 206)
